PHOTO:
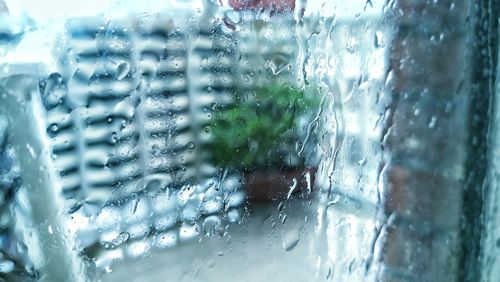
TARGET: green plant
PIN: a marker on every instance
(249, 134)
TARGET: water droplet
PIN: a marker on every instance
(114, 138)
(21, 247)
(233, 215)
(211, 263)
(432, 123)
(137, 249)
(281, 207)
(377, 40)
(283, 219)
(231, 19)
(31, 150)
(108, 269)
(351, 45)
(278, 62)
(166, 240)
(121, 238)
(155, 150)
(363, 161)
(292, 188)
(188, 232)
(6, 266)
(211, 225)
(290, 239)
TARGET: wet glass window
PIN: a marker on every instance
(249, 140)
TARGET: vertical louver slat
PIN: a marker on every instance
(129, 124)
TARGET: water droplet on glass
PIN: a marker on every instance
(377, 40)
(188, 232)
(278, 62)
(108, 269)
(122, 70)
(231, 19)
(210, 225)
(156, 150)
(6, 266)
(290, 239)
(283, 219)
(211, 263)
(432, 123)
(21, 247)
(292, 188)
(233, 215)
(114, 138)
(166, 240)
(121, 238)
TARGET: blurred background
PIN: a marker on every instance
(247, 140)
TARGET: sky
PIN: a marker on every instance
(48, 10)
(50, 15)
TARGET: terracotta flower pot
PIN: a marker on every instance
(271, 185)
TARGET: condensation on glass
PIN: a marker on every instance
(249, 140)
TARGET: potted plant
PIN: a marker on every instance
(261, 135)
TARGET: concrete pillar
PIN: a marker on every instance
(423, 141)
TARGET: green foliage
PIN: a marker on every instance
(249, 133)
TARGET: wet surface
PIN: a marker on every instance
(251, 251)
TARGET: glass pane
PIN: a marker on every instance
(286, 140)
